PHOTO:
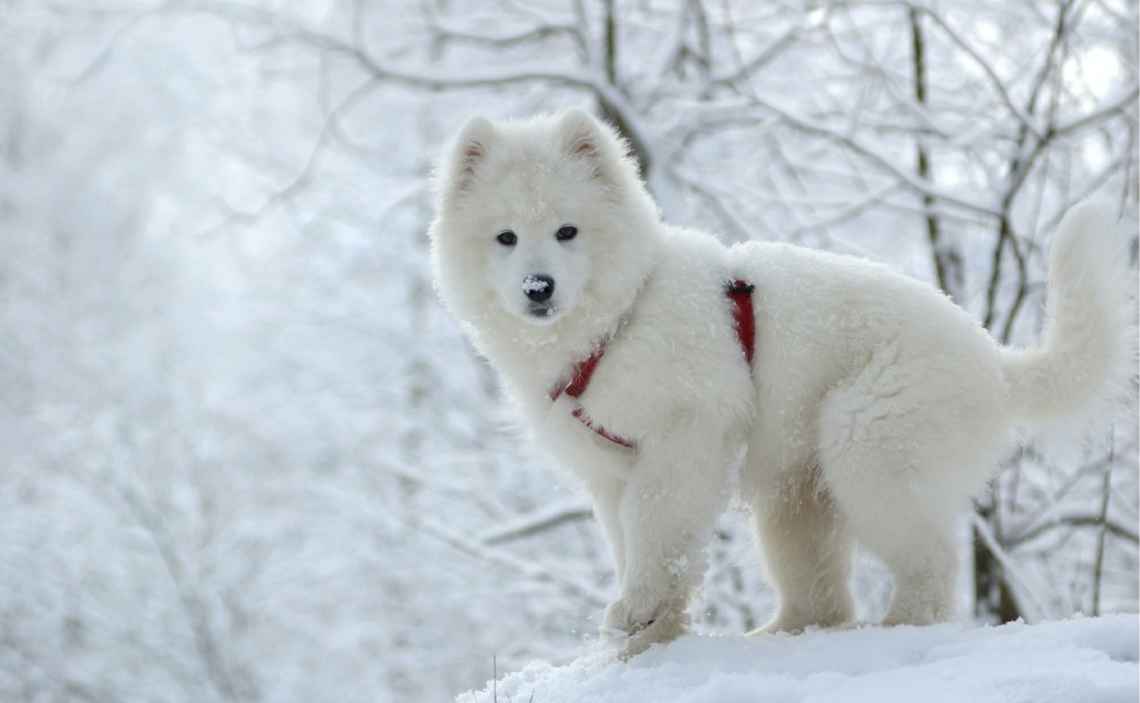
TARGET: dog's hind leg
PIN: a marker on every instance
(916, 545)
(890, 454)
(808, 552)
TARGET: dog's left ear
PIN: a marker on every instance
(585, 138)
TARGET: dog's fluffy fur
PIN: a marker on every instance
(874, 410)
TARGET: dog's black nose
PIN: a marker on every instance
(538, 287)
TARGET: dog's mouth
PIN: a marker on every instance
(541, 312)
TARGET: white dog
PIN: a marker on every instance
(873, 408)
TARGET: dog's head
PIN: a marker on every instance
(540, 220)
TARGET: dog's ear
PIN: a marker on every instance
(468, 154)
(587, 139)
(582, 135)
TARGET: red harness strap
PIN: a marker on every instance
(738, 291)
(583, 370)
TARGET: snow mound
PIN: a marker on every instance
(1090, 660)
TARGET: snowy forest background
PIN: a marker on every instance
(247, 457)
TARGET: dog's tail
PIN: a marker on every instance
(1089, 351)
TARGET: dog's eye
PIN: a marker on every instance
(566, 232)
(507, 239)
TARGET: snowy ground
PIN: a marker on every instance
(1091, 660)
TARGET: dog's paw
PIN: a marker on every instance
(666, 627)
(636, 611)
(794, 623)
(779, 625)
(630, 614)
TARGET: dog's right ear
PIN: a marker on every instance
(467, 155)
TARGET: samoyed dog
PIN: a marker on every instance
(841, 401)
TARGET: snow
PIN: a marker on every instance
(531, 283)
(1087, 660)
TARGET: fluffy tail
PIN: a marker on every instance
(1088, 354)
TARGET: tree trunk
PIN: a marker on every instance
(992, 597)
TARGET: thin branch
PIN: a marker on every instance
(1025, 119)
(530, 569)
(612, 101)
(850, 211)
(1098, 563)
(1019, 168)
(609, 41)
(874, 156)
(536, 523)
(1111, 110)
(216, 669)
(946, 258)
(1072, 520)
(1074, 478)
(742, 231)
(305, 175)
(1010, 571)
(1021, 291)
(762, 59)
(508, 40)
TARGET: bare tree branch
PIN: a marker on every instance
(586, 593)
(536, 523)
(948, 264)
(1036, 610)
(996, 82)
(1098, 562)
(1072, 520)
(872, 155)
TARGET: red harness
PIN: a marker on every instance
(739, 292)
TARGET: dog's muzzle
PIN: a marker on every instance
(539, 287)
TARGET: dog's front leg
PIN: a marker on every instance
(667, 510)
(605, 493)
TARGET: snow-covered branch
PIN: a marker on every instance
(571, 585)
(536, 523)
